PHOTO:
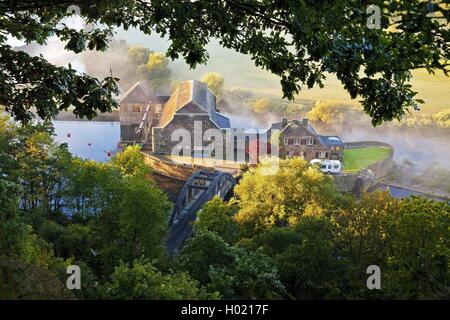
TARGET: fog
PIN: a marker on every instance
(420, 148)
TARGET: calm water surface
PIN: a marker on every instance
(89, 139)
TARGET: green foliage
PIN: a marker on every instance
(362, 236)
(217, 216)
(138, 54)
(201, 252)
(285, 235)
(159, 73)
(282, 199)
(130, 162)
(374, 65)
(293, 110)
(233, 272)
(278, 107)
(143, 281)
(87, 213)
(306, 258)
(251, 276)
(419, 254)
(142, 213)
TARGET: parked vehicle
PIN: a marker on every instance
(328, 166)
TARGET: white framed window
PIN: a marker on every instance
(296, 142)
(309, 141)
(286, 141)
(322, 155)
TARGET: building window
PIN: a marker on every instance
(286, 141)
(296, 142)
(321, 154)
(309, 142)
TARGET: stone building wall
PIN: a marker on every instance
(162, 137)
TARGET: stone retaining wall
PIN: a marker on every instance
(367, 178)
(178, 171)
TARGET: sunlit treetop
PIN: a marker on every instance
(299, 41)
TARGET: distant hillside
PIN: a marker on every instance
(240, 71)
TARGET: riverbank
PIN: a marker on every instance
(112, 116)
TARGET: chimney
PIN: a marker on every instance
(305, 122)
(284, 122)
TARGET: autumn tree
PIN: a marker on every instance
(215, 82)
(294, 190)
(260, 105)
(138, 54)
(159, 74)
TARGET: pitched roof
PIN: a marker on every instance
(138, 93)
(331, 141)
(197, 93)
(279, 126)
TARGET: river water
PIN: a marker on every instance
(89, 139)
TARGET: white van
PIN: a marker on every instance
(328, 166)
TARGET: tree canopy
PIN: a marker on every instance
(215, 82)
(288, 235)
(299, 41)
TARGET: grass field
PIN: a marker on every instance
(360, 158)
